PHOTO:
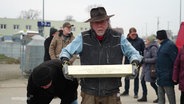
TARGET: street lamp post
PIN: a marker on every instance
(43, 18)
(180, 12)
(146, 30)
(158, 22)
(41, 24)
(168, 23)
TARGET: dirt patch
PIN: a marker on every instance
(10, 71)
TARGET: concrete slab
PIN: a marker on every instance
(93, 71)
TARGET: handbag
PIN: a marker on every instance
(153, 67)
(152, 71)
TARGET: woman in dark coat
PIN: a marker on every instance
(178, 73)
(150, 55)
(47, 82)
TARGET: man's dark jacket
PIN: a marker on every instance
(106, 52)
(65, 89)
(138, 44)
(166, 56)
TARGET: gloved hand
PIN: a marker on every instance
(135, 69)
(65, 63)
(65, 60)
(135, 63)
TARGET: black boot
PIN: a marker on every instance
(125, 93)
(155, 101)
(143, 99)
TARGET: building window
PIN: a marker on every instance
(28, 27)
(15, 27)
(73, 28)
(2, 26)
(86, 28)
(81, 28)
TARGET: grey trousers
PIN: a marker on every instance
(169, 90)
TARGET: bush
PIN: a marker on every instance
(8, 60)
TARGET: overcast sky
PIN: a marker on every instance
(141, 14)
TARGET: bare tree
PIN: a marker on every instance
(30, 14)
(69, 18)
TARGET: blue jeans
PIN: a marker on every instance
(136, 85)
(75, 102)
(169, 92)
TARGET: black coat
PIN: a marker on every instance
(166, 56)
(46, 47)
(65, 89)
(138, 44)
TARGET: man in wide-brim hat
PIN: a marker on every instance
(99, 16)
(100, 45)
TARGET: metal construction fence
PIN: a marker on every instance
(30, 54)
(11, 49)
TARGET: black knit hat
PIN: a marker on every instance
(161, 35)
(52, 30)
(41, 75)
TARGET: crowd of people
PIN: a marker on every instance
(157, 60)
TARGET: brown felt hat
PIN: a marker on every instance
(98, 14)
